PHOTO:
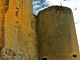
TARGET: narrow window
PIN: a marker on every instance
(7, 2)
(32, 25)
(74, 55)
(44, 58)
(7, 5)
(17, 11)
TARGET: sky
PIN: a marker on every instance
(73, 4)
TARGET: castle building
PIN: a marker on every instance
(49, 36)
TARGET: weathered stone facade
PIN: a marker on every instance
(19, 27)
(54, 26)
(2, 14)
(8, 54)
(56, 34)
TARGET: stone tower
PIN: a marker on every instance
(56, 34)
(17, 25)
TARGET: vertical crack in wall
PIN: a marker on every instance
(2, 15)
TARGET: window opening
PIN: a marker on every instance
(17, 11)
(32, 24)
(44, 58)
(74, 55)
(7, 5)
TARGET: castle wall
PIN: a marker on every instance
(2, 14)
(56, 34)
(19, 28)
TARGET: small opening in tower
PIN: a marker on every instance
(17, 11)
(44, 58)
(32, 25)
(74, 55)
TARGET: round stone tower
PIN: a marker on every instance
(56, 34)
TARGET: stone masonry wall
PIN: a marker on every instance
(20, 34)
(2, 14)
(56, 34)
(8, 54)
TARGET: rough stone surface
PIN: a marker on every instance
(19, 30)
(56, 34)
(2, 14)
(8, 54)
(55, 31)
